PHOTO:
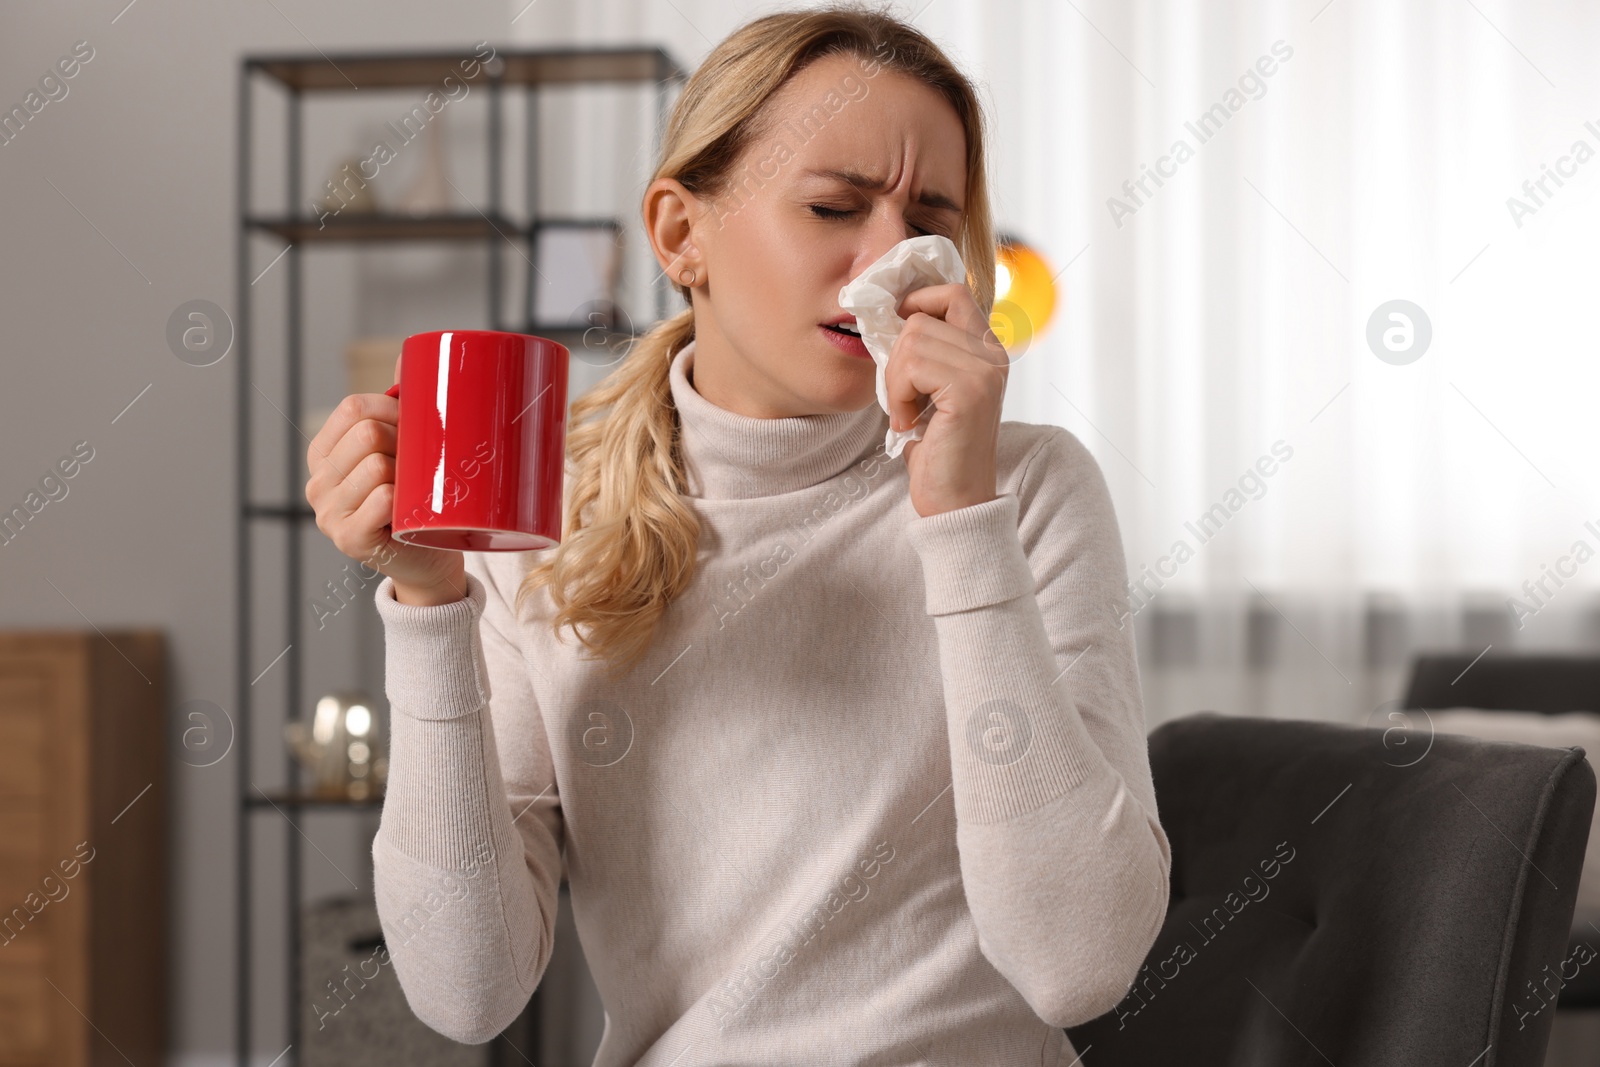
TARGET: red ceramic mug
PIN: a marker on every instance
(482, 441)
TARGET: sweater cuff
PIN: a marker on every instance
(433, 654)
(971, 556)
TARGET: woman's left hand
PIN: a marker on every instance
(947, 353)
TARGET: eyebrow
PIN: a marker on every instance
(870, 184)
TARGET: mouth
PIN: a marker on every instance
(845, 335)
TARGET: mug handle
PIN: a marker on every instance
(394, 391)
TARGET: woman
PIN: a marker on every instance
(846, 762)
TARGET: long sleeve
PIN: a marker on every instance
(1063, 859)
(467, 858)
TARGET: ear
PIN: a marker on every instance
(671, 214)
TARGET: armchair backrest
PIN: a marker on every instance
(1340, 896)
(1545, 683)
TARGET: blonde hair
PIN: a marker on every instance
(630, 538)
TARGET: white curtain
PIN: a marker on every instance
(1213, 327)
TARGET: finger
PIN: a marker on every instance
(367, 475)
(939, 331)
(369, 523)
(955, 305)
(366, 436)
(351, 410)
(919, 367)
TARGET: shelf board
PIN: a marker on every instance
(309, 800)
(346, 72)
(385, 226)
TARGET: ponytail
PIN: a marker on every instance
(629, 545)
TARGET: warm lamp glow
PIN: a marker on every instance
(1024, 295)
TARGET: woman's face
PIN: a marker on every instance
(771, 253)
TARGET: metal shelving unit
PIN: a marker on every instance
(298, 76)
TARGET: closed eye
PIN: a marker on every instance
(824, 212)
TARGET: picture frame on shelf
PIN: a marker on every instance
(577, 265)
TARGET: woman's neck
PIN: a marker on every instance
(730, 455)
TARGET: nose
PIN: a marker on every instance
(886, 228)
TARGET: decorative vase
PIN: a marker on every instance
(347, 190)
(430, 192)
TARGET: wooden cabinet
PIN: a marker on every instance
(83, 848)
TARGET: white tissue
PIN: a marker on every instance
(931, 259)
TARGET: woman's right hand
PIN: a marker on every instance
(352, 491)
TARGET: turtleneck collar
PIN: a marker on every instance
(732, 456)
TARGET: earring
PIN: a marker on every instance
(690, 272)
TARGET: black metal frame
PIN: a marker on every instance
(307, 73)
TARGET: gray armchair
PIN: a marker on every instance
(1338, 900)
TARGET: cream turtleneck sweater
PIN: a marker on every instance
(880, 791)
